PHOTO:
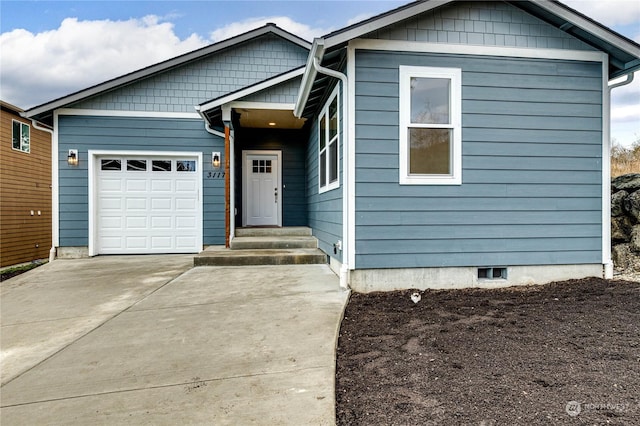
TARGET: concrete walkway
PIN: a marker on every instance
(150, 340)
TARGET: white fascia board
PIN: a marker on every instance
(588, 26)
(162, 66)
(261, 105)
(121, 113)
(463, 49)
(309, 76)
(251, 90)
(383, 21)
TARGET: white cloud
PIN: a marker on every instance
(39, 67)
(609, 12)
(301, 30)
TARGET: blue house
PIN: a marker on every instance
(441, 144)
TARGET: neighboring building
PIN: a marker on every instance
(441, 144)
(25, 189)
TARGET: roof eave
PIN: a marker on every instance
(309, 76)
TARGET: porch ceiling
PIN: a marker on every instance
(269, 119)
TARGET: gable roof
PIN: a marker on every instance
(46, 109)
(211, 109)
(623, 53)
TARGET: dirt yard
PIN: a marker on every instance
(563, 353)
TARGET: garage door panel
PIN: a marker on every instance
(136, 204)
(161, 222)
(164, 185)
(137, 185)
(148, 209)
(183, 185)
(185, 242)
(110, 203)
(137, 222)
(111, 222)
(186, 222)
(188, 204)
(161, 204)
(139, 242)
(111, 185)
(108, 242)
(162, 243)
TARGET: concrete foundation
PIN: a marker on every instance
(369, 280)
(72, 252)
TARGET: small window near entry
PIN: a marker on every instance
(137, 165)
(261, 166)
(430, 125)
(21, 137)
(161, 165)
(110, 164)
(328, 144)
(186, 166)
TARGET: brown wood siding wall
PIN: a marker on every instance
(25, 185)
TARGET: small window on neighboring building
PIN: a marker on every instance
(328, 144)
(186, 165)
(161, 165)
(110, 164)
(137, 165)
(21, 137)
(430, 125)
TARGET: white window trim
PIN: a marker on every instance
(455, 75)
(28, 151)
(323, 114)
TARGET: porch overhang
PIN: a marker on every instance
(217, 111)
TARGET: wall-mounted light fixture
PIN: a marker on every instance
(215, 160)
(72, 158)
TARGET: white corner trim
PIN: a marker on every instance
(349, 205)
(606, 173)
(55, 184)
(122, 113)
(464, 49)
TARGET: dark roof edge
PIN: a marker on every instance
(165, 65)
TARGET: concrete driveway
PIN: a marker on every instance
(151, 340)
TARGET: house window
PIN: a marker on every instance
(430, 126)
(21, 136)
(328, 141)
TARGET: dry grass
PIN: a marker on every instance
(625, 160)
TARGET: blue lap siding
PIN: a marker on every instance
(325, 209)
(131, 134)
(531, 160)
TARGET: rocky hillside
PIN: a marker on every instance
(625, 222)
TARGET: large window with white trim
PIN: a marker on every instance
(21, 137)
(430, 125)
(328, 144)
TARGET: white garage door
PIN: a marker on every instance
(148, 205)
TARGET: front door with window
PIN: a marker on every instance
(262, 198)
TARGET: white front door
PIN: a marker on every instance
(262, 196)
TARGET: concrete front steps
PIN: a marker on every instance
(265, 246)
